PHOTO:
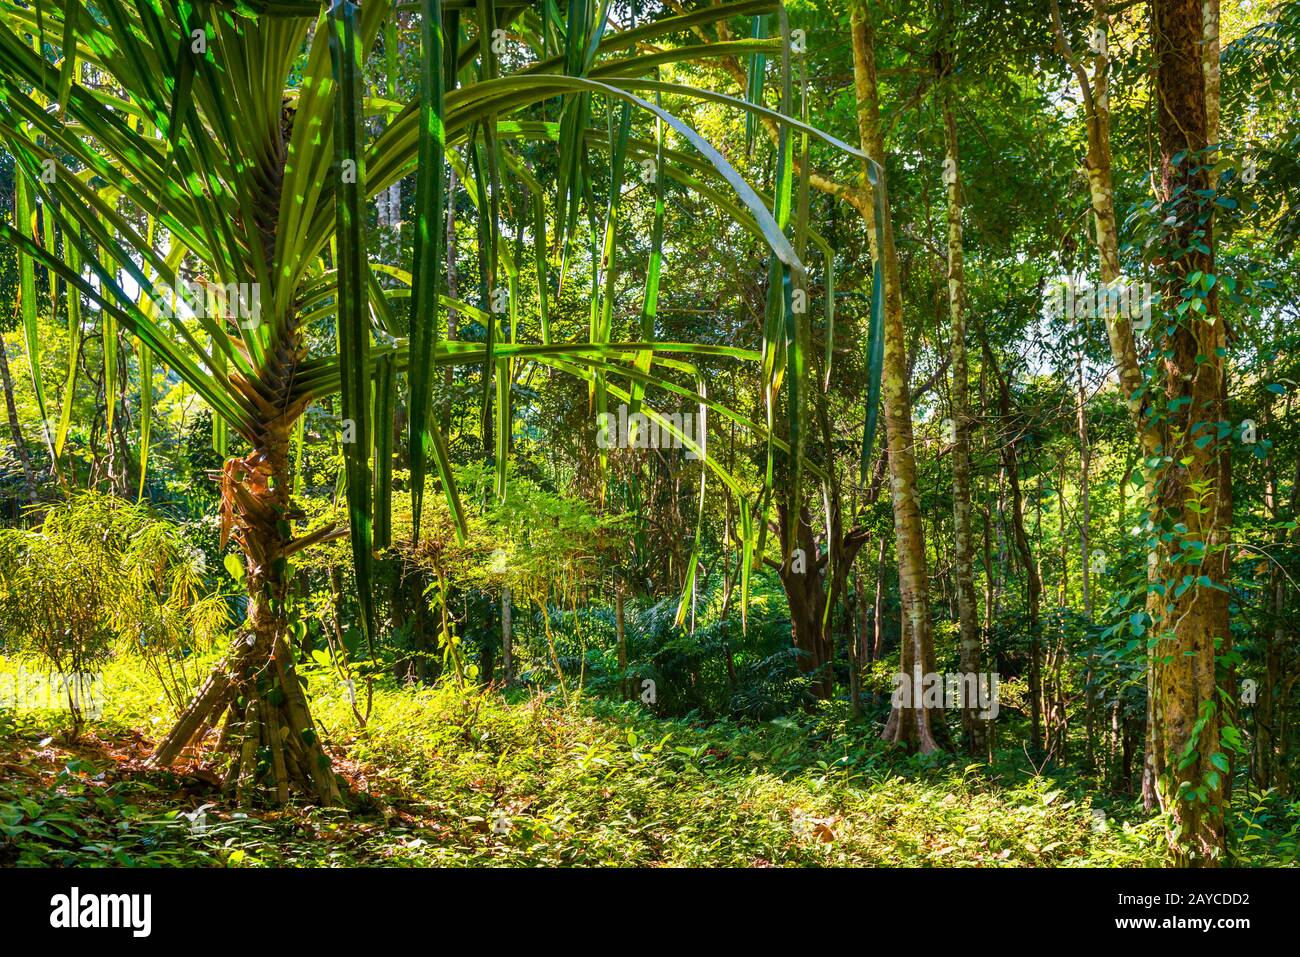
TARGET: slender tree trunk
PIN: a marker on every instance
(973, 727)
(15, 427)
(1265, 711)
(1270, 709)
(508, 637)
(1091, 702)
(857, 644)
(1085, 491)
(1020, 539)
(878, 607)
(914, 729)
(1210, 68)
(1101, 189)
(1119, 328)
(621, 630)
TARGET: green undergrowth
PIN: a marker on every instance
(448, 776)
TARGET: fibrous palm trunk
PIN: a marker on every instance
(255, 692)
(267, 728)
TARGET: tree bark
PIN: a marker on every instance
(15, 427)
(508, 636)
(915, 729)
(878, 606)
(806, 595)
(1191, 625)
(973, 727)
(1020, 538)
(256, 685)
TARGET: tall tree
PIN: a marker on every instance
(909, 725)
(1098, 167)
(973, 728)
(1193, 506)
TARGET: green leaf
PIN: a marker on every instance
(234, 565)
(429, 191)
(353, 313)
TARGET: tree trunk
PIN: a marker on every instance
(1119, 328)
(878, 606)
(1191, 769)
(973, 727)
(507, 637)
(267, 727)
(1085, 491)
(857, 633)
(802, 581)
(914, 585)
(1210, 68)
(15, 427)
(1101, 189)
(1085, 539)
(1020, 539)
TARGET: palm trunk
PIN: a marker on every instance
(255, 689)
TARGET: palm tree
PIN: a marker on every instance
(164, 142)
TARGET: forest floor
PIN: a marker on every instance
(455, 777)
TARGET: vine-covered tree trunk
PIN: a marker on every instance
(1194, 489)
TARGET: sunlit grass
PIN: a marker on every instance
(469, 777)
